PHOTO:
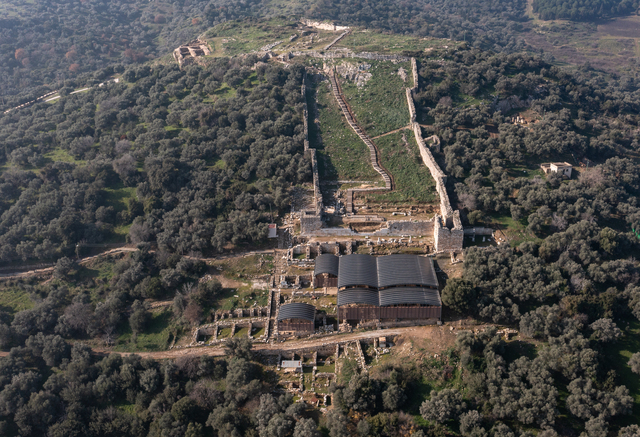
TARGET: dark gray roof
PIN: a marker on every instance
(357, 270)
(363, 296)
(297, 310)
(327, 263)
(403, 269)
(409, 296)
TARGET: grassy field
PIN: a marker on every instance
(60, 155)
(156, 337)
(413, 181)
(101, 268)
(342, 155)
(14, 299)
(118, 196)
(245, 266)
(236, 37)
(370, 41)
(381, 104)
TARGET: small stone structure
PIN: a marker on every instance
(187, 54)
(324, 26)
(562, 168)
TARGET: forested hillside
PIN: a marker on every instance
(490, 24)
(581, 10)
(194, 158)
(45, 42)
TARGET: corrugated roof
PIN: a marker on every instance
(327, 263)
(362, 296)
(297, 310)
(357, 270)
(403, 269)
(409, 296)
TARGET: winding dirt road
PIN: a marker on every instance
(437, 334)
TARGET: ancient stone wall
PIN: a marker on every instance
(414, 71)
(436, 172)
(449, 240)
(448, 232)
(324, 26)
(317, 194)
(412, 106)
(305, 112)
(335, 41)
(311, 220)
(336, 54)
(411, 227)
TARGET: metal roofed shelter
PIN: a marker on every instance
(358, 271)
(296, 317)
(325, 273)
(387, 287)
(415, 270)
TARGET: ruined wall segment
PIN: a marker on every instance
(324, 26)
(311, 220)
(335, 41)
(412, 107)
(305, 112)
(448, 231)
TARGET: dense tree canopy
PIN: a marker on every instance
(153, 153)
(581, 10)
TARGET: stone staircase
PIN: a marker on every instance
(373, 151)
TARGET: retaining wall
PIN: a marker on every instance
(449, 240)
(448, 232)
(414, 71)
(409, 227)
(412, 107)
(335, 54)
(332, 43)
(305, 112)
(324, 26)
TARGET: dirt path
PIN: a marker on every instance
(441, 334)
(123, 249)
(49, 270)
(392, 132)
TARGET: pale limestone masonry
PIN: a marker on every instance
(24, 105)
(188, 53)
(412, 106)
(448, 232)
(333, 54)
(305, 112)
(324, 26)
(335, 41)
(449, 240)
(414, 69)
